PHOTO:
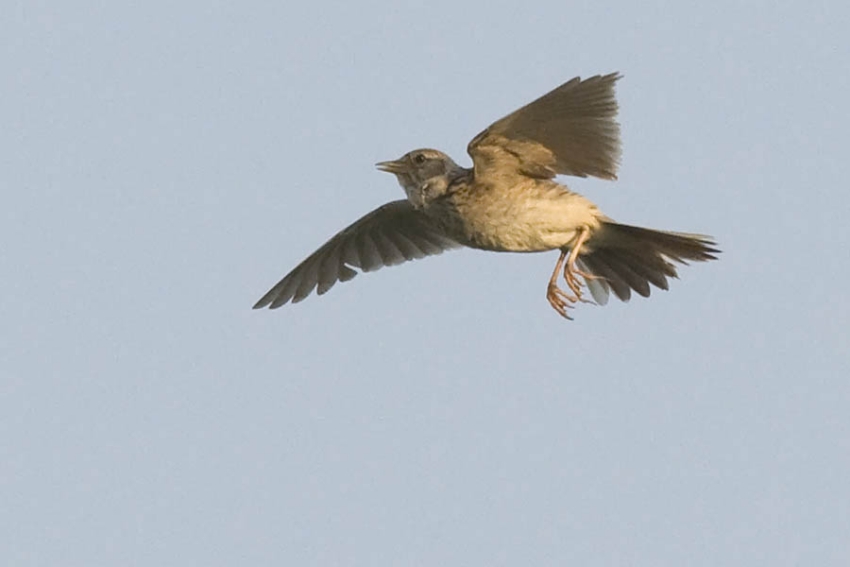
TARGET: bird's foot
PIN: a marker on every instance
(571, 275)
(586, 275)
(571, 272)
(560, 300)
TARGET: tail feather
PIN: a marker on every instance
(629, 276)
(598, 287)
(607, 278)
(656, 270)
(629, 258)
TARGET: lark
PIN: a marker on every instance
(509, 201)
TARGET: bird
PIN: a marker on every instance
(509, 201)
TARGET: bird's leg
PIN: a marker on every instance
(571, 273)
(558, 298)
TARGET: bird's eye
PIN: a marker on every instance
(419, 158)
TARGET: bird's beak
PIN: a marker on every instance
(394, 166)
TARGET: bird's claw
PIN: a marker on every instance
(575, 284)
(560, 300)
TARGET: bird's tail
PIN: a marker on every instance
(624, 258)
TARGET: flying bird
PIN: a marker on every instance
(509, 201)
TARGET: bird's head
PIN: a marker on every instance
(423, 174)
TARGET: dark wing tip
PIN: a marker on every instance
(263, 302)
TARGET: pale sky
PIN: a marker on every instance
(163, 165)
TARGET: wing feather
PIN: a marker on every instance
(389, 235)
(571, 130)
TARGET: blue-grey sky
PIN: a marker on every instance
(162, 165)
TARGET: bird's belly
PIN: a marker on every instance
(516, 236)
(533, 223)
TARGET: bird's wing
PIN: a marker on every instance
(572, 131)
(389, 235)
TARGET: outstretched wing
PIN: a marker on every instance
(572, 131)
(389, 235)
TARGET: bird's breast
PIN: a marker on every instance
(532, 216)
